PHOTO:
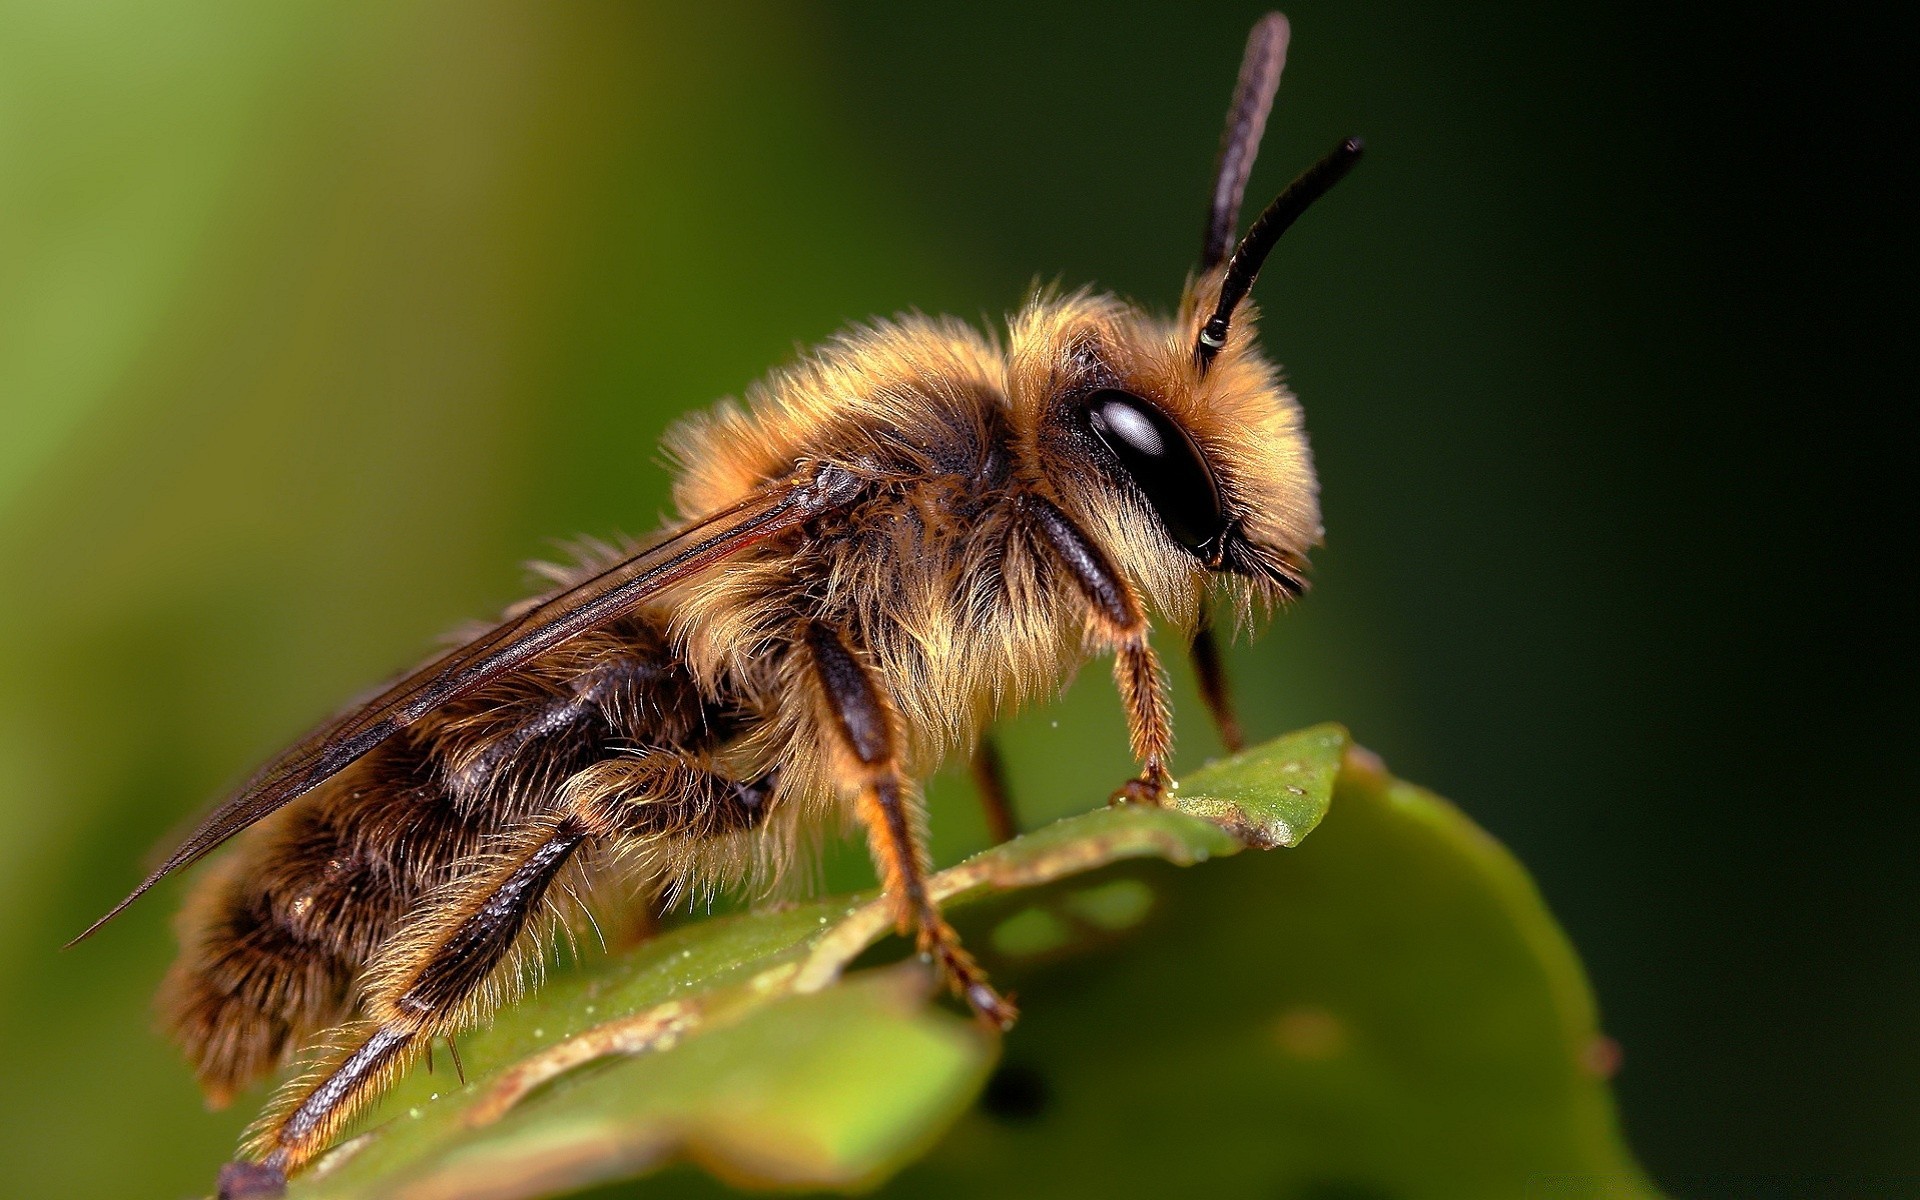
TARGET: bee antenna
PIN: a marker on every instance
(1260, 69)
(1244, 266)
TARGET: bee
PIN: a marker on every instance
(909, 533)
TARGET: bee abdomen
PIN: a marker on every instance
(247, 988)
(273, 945)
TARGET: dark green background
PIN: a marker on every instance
(316, 319)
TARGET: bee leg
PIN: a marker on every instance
(250, 1181)
(431, 979)
(990, 784)
(1143, 693)
(865, 729)
(422, 987)
(1214, 689)
(1116, 618)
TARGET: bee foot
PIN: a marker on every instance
(969, 982)
(993, 1010)
(251, 1181)
(1146, 789)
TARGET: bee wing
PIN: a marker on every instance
(508, 645)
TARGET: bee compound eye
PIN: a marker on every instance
(1164, 461)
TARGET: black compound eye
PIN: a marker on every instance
(1164, 461)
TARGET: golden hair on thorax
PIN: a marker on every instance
(884, 548)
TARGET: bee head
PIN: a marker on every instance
(1186, 472)
(1176, 441)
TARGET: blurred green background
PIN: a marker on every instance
(317, 319)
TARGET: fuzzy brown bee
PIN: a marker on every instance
(909, 533)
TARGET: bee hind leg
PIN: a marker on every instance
(251, 1181)
(424, 985)
(863, 723)
(431, 980)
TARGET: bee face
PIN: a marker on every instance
(1191, 472)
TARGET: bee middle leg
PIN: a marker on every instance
(1214, 689)
(863, 722)
(989, 772)
(433, 977)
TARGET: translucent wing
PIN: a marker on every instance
(502, 649)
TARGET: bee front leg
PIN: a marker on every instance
(865, 729)
(1143, 693)
(1116, 619)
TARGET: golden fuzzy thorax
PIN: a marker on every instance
(931, 400)
(696, 742)
(936, 574)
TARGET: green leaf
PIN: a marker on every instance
(1388, 1011)
(1394, 1015)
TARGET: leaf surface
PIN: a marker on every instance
(1388, 1010)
